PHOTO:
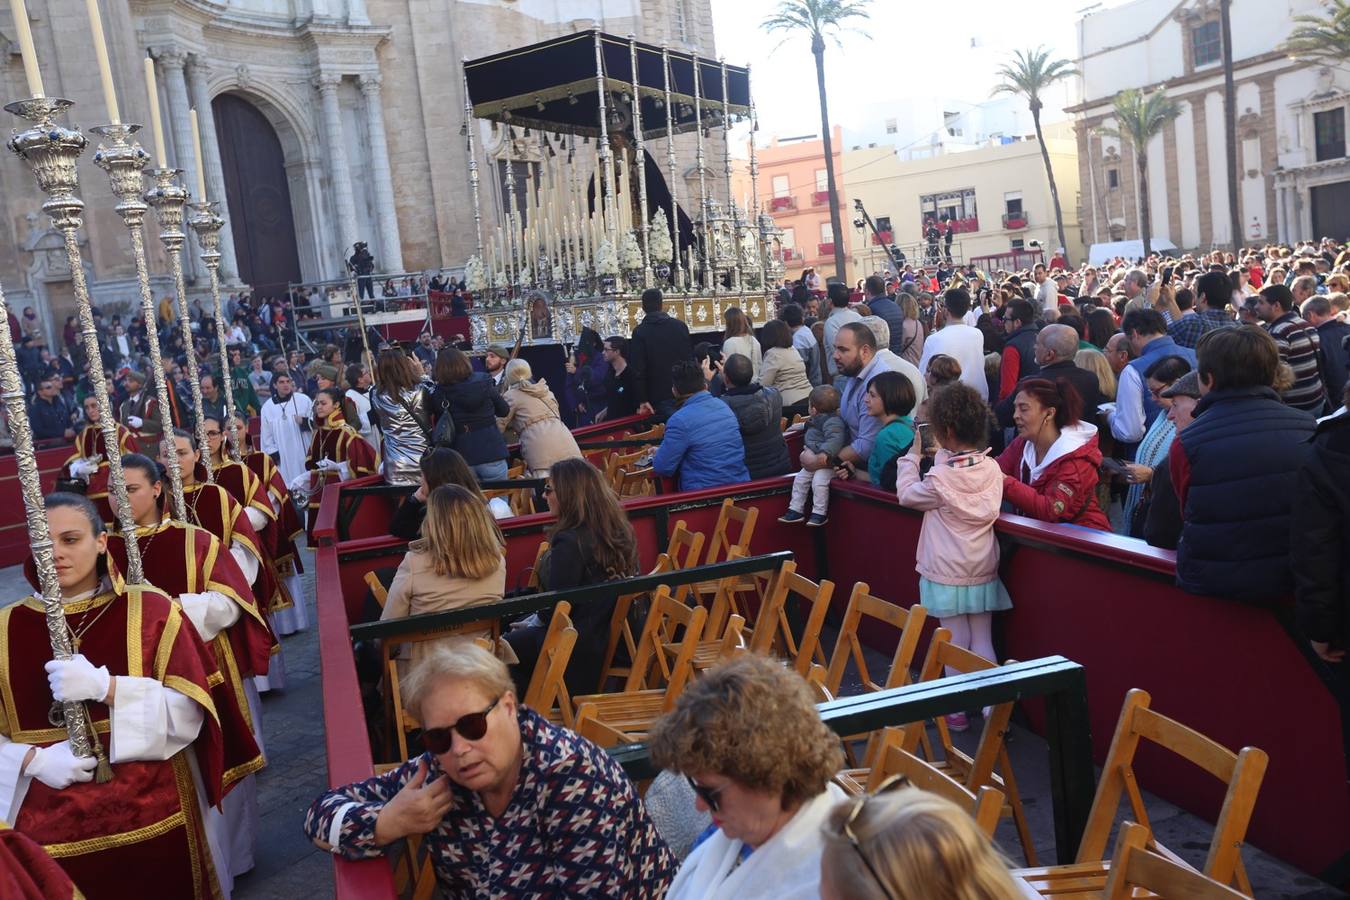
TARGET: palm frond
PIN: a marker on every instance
(1030, 72)
(1324, 38)
(816, 19)
(1140, 117)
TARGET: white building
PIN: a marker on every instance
(925, 127)
(1294, 178)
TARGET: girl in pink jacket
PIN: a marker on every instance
(958, 553)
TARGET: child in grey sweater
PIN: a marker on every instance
(825, 435)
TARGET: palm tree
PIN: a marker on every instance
(1140, 118)
(1030, 73)
(1324, 39)
(818, 19)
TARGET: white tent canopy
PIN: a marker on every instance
(1100, 253)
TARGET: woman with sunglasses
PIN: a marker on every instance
(513, 805)
(913, 845)
(459, 561)
(759, 760)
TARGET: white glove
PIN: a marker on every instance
(344, 472)
(135, 422)
(77, 679)
(299, 482)
(84, 468)
(326, 465)
(58, 768)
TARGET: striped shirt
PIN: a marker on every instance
(1298, 343)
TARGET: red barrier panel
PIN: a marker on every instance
(345, 738)
(15, 547)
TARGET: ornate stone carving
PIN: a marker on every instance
(243, 76)
(369, 83)
(171, 57)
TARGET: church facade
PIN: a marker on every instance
(324, 122)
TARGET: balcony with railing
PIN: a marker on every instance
(782, 205)
(882, 237)
(1015, 221)
(791, 254)
(825, 249)
(820, 198)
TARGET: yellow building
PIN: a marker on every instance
(995, 200)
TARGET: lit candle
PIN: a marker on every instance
(101, 54)
(26, 50)
(197, 155)
(156, 124)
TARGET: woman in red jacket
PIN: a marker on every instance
(1050, 469)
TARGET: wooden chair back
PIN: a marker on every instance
(744, 521)
(377, 589)
(620, 630)
(655, 433)
(532, 583)
(684, 546)
(863, 605)
(516, 471)
(772, 628)
(984, 804)
(1133, 868)
(1242, 772)
(626, 478)
(669, 622)
(547, 690)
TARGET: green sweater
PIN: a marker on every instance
(892, 441)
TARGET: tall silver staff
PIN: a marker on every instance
(761, 242)
(169, 198)
(677, 270)
(469, 127)
(731, 194)
(709, 281)
(52, 151)
(206, 224)
(124, 160)
(641, 163)
(73, 714)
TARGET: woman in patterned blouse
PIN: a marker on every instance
(511, 805)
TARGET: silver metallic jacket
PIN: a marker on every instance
(404, 440)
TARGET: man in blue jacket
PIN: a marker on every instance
(703, 439)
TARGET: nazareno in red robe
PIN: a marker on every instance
(288, 519)
(141, 834)
(210, 506)
(336, 440)
(250, 492)
(184, 559)
(28, 873)
(90, 442)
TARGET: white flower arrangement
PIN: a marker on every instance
(659, 243)
(630, 252)
(606, 262)
(475, 276)
(499, 280)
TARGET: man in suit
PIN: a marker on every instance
(658, 343)
(140, 412)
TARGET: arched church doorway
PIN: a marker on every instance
(257, 195)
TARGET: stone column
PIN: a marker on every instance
(215, 172)
(339, 174)
(173, 60)
(391, 249)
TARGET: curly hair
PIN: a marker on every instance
(755, 722)
(959, 412)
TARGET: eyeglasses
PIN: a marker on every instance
(548, 489)
(889, 784)
(213, 433)
(471, 727)
(706, 794)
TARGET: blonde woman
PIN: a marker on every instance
(739, 337)
(914, 846)
(544, 439)
(1095, 362)
(459, 561)
(911, 329)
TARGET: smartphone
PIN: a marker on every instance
(1167, 274)
(1115, 467)
(927, 443)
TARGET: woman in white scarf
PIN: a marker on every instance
(759, 759)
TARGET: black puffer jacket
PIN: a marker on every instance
(1320, 539)
(1243, 449)
(759, 412)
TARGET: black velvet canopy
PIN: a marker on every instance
(553, 86)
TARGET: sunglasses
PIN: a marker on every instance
(889, 784)
(548, 489)
(706, 794)
(471, 727)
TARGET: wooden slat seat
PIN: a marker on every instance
(1135, 869)
(1241, 772)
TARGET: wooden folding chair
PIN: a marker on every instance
(724, 632)
(990, 765)
(532, 583)
(862, 604)
(681, 552)
(772, 629)
(1133, 867)
(633, 711)
(626, 478)
(547, 691)
(1242, 772)
(521, 499)
(377, 589)
(655, 433)
(984, 804)
(516, 471)
(742, 521)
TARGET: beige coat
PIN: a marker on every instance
(747, 346)
(785, 371)
(544, 439)
(418, 589)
